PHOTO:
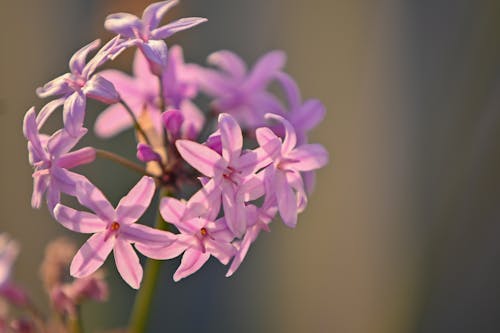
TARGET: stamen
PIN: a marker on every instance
(115, 226)
(203, 232)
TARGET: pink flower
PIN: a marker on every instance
(232, 175)
(239, 92)
(113, 230)
(51, 159)
(9, 249)
(146, 34)
(199, 238)
(283, 178)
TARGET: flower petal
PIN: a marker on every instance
(287, 201)
(265, 69)
(290, 139)
(91, 255)
(90, 196)
(134, 204)
(127, 263)
(234, 210)
(172, 210)
(78, 60)
(155, 52)
(176, 26)
(141, 234)
(181, 243)
(102, 90)
(153, 13)
(112, 121)
(308, 157)
(83, 222)
(231, 137)
(74, 113)
(221, 250)
(200, 157)
(47, 111)
(192, 260)
(124, 24)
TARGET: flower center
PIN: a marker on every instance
(115, 226)
(203, 232)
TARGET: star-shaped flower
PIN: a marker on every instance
(145, 33)
(113, 229)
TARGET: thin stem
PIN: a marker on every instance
(123, 161)
(144, 297)
(136, 122)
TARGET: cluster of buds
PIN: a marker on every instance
(248, 156)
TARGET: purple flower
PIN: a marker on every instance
(145, 33)
(238, 92)
(199, 238)
(283, 179)
(80, 83)
(141, 91)
(51, 158)
(113, 229)
(232, 175)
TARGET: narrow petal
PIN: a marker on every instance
(74, 113)
(83, 222)
(200, 157)
(124, 24)
(244, 246)
(194, 120)
(30, 131)
(212, 82)
(231, 137)
(206, 202)
(192, 260)
(234, 210)
(58, 86)
(290, 139)
(141, 234)
(127, 263)
(40, 185)
(102, 90)
(134, 204)
(153, 13)
(62, 141)
(176, 26)
(229, 62)
(91, 255)
(287, 201)
(90, 196)
(172, 209)
(78, 157)
(78, 60)
(309, 115)
(308, 157)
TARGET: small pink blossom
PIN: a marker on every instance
(113, 229)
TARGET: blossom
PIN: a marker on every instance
(51, 158)
(283, 178)
(81, 82)
(112, 229)
(239, 92)
(145, 33)
(232, 174)
(199, 238)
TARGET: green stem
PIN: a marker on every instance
(123, 161)
(144, 297)
(136, 122)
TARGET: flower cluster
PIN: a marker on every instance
(248, 156)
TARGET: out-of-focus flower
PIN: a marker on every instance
(238, 92)
(113, 230)
(9, 249)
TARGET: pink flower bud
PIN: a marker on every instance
(146, 154)
(172, 121)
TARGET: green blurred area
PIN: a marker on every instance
(402, 232)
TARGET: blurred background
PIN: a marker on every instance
(403, 231)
